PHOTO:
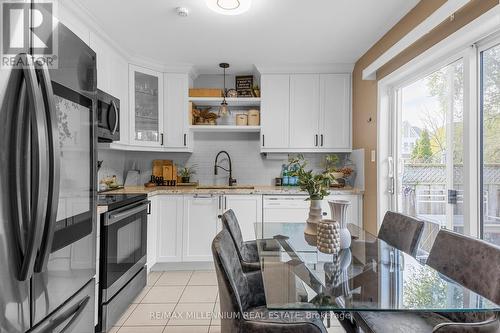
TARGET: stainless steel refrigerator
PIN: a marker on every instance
(47, 184)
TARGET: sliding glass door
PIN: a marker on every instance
(490, 142)
(430, 147)
(446, 144)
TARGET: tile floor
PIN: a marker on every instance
(191, 296)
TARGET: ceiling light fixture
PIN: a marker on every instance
(229, 7)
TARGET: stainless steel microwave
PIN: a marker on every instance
(108, 117)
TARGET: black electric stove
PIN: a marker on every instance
(114, 201)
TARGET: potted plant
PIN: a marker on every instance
(186, 172)
(316, 185)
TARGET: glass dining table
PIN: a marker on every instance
(371, 275)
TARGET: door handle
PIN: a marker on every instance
(316, 140)
(263, 140)
(54, 166)
(115, 217)
(185, 140)
(321, 136)
(29, 209)
(161, 139)
(115, 126)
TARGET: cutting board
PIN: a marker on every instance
(158, 167)
(169, 172)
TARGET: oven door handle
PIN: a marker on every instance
(115, 217)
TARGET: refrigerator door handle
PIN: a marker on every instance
(73, 312)
(53, 163)
(29, 208)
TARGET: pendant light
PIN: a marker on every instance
(224, 109)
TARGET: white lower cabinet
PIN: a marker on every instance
(181, 228)
(169, 214)
(354, 212)
(248, 210)
(199, 227)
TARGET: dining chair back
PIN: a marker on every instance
(475, 264)
(471, 262)
(242, 297)
(401, 231)
(247, 251)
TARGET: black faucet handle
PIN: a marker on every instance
(232, 181)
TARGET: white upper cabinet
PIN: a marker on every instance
(304, 111)
(146, 107)
(175, 102)
(275, 111)
(335, 112)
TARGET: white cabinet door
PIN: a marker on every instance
(176, 106)
(354, 214)
(275, 111)
(169, 214)
(335, 112)
(199, 227)
(248, 210)
(304, 111)
(146, 107)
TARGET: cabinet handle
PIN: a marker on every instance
(203, 196)
(185, 139)
(321, 136)
(316, 140)
(263, 140)
(161, 139)
(225, 203)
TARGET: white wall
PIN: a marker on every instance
(249, 165)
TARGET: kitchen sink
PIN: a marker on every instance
(225, 187)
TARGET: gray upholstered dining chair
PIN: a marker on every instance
(468, 261)
(247, 251)
(242, 299)
(401, 231)
(474, 264)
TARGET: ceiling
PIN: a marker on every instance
(284, 32)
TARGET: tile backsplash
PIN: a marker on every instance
(249, 165)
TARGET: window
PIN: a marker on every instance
(490, 143)
(430, 175)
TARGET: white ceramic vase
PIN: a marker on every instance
(339, 213)
(314, 218)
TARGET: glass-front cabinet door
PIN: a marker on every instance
(146, 101)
